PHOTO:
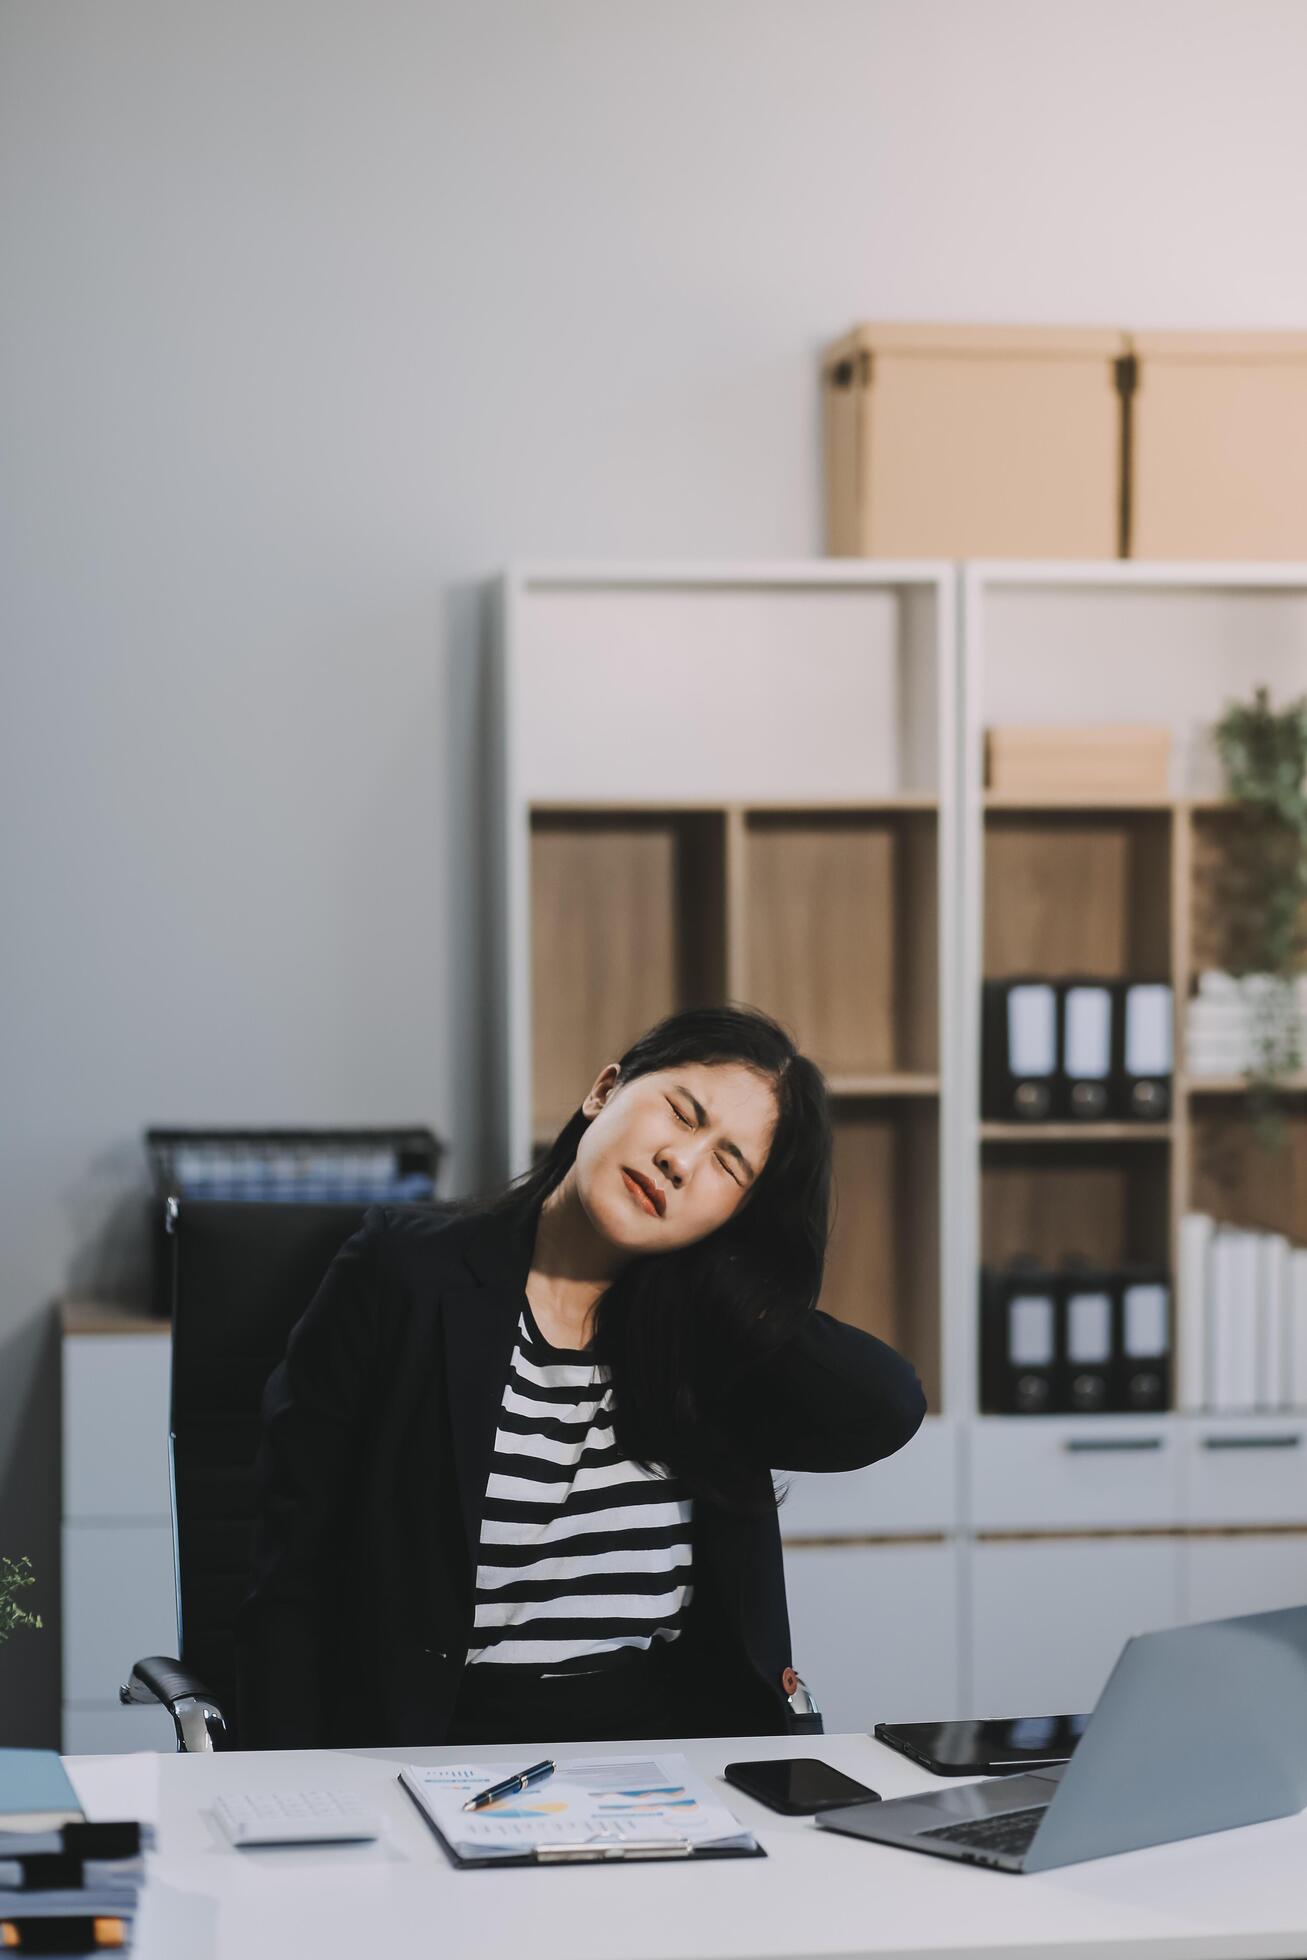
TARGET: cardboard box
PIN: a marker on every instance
(1219, 446)
(974, 442)
(1104, 759)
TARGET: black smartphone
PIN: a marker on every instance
(798, 1786)
(990, 1748)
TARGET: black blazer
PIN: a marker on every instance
(379, 1427)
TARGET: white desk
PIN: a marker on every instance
(1236, 1896)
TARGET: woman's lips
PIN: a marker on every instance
(641, 1196)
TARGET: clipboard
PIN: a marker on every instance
(587, 1843)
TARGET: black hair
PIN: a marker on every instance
(680, 1331)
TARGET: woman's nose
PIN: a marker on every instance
(671, 1166)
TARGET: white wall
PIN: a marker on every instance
(313, 313)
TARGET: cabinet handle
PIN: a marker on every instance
(1252, 1442)
(1082, 1445)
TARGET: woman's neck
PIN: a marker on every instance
(571, 1267)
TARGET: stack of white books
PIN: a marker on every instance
(1230, 1022)
(1242, 1319)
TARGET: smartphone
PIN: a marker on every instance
(798, 1786)
(992, 1748)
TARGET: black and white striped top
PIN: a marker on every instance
(584, 1556)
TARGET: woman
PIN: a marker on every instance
(516, 1465)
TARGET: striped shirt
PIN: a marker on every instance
(584, 1556)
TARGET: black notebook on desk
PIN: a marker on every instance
(593, 1810)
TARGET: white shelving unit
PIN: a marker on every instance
(1081, 1531)
(762, 696)
(1041, 1543)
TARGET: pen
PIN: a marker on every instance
(511, 1785)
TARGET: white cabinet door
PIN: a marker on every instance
(115, 1442)
(109, 1729)
(119, 1604)
(1049, 1617)
(1244, 1574)
(915, 1491)
(874, 1631)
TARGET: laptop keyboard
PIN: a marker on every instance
(1010, 1832)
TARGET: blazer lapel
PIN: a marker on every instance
(480, 1312)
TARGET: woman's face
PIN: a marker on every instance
(668, 1157)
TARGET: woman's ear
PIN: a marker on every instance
(602, 1091)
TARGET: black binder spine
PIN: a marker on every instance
(1019, 1024)
(1144, 1051)
(1020, 1341)
(1144, 1363)
(1086, 1014)
(1091, 1315)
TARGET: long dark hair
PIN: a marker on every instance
(681, 1331)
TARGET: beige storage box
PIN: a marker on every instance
(1108, 760)
(1219, 442)
(974, 442)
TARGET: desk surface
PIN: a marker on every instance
(1239, 1895)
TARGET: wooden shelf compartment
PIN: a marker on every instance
(883, 1270)
(628, 923)
(1225, 875)
(1091, 1199)
(1078, 894)
(839, 935)
(1239, 1178)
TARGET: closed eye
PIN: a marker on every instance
(681, 1117)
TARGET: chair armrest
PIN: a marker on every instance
(197, 1718)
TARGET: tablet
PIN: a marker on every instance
(985, 1748)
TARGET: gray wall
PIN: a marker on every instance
(313, 314)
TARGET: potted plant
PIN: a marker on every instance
(15, 1575)
(1264, 755)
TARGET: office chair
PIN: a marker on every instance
(239, 1276)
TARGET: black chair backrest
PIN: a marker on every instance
(240, 1276)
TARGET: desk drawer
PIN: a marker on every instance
(1244, 1469)
(912, 1492)
(1043, 1474)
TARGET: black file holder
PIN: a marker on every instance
(1020, 1344)
(1086, 1014)
(1091, 1317)
(1144, 1057)
(1020, 1050)
(1145, 1342)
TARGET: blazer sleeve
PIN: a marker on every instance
(315, 1407)
(830, 1398)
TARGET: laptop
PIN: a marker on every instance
(1199, 1728)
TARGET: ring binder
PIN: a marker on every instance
(1020, 1049)
(1145, 1050)
(1085, 1013)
